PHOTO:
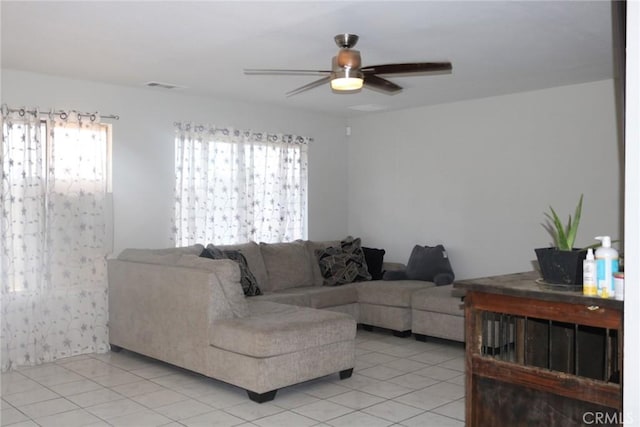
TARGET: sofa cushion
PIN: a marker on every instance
(332, 296)
(315, 296)
(290, 296)
(167, 256)
(247, 279)
(390, 293)
(312, 246)
(430, 263)
(275, 329)
(228, 275)
(438, 299)
(252, 254)
(288, 265)
(374, 258)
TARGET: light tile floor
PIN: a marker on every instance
(397, 381)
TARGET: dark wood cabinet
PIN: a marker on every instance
(536, 356)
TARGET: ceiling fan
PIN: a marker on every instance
(347, 74)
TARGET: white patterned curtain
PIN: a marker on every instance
(234, 186)
(53, 237)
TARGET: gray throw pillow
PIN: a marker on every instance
(431, 264)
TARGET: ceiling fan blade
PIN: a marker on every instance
(374, 82)
(408, 68)
(258, 71)
(309, 86)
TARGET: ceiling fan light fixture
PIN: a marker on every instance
(348, 75)
(346, 80)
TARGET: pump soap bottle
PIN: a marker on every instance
(606, 265)
(589, 287)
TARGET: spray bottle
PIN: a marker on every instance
(606, 265)
(589, 287)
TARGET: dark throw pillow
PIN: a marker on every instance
(344, 264)
(395, 275)
(441, 279)
(247, 279)
(374, 259)
(337, 267)
(352, 246)
(430, 263)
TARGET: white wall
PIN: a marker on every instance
(478, 175)
(475, 175)
(143, 176)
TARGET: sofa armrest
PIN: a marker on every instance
(163, 311)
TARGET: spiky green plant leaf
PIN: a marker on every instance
(573, 226)
(559, 235)
(564, 236)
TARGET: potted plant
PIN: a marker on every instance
(562, 263)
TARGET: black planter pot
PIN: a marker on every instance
(561, 267)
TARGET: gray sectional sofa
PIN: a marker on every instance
(172, 305)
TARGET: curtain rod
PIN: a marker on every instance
(62, 114)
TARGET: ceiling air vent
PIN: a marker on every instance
(163, 85)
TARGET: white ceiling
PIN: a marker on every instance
(495, 47)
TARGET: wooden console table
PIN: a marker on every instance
(536, 356)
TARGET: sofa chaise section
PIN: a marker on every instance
(187, 311)
(280, 345)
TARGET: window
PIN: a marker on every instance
(56, 175)
(81, 158)
(234, 186)
(80, 155)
